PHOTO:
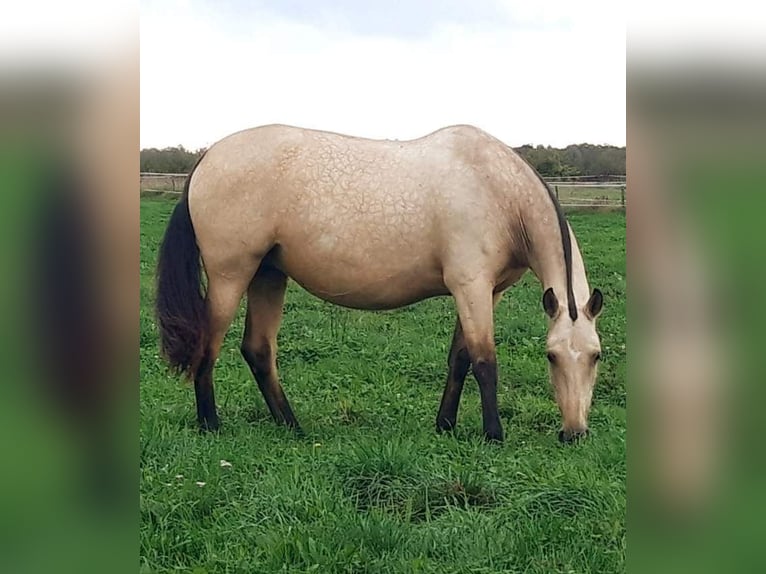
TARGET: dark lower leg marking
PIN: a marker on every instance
(260, 360)
(459, 363)
(486, 375)
(207, 416)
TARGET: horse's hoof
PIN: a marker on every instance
(494, 436)
(209, 425)
(445, 425)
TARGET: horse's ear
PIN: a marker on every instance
(594, 304)
(550, 303)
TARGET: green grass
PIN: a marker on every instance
(372, 487)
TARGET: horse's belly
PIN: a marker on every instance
(373, 299)
(360, 282)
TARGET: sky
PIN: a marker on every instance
(550, 73)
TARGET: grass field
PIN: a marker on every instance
(372, 487)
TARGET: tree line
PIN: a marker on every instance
(169, 160)
(573, 160)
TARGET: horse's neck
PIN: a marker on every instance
(546, 257)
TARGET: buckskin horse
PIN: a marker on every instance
(372, 224)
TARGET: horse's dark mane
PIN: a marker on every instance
(566, 242)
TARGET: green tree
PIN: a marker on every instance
(169, 160)
(576, 159)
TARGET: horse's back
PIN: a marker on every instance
(324, 175)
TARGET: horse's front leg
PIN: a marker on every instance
(474, 300)
(458, 364)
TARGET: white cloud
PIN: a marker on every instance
(544, 77)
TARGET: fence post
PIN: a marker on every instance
(622, 194)
(557, 192)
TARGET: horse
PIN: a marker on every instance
(372, 224)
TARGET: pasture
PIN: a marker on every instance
(371, 487)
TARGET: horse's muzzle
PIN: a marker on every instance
(570, 436)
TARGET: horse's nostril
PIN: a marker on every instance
(569, 436)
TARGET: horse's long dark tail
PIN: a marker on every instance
(180, 305)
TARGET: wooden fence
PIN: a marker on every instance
(574, 192)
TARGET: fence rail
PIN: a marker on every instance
(162, 182)
(574, 192)
(554, 178)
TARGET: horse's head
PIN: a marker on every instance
(573, 350)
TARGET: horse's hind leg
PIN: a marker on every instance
(265, 298)
(223, 297)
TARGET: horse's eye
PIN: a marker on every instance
(596, 357)
(551, 358)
